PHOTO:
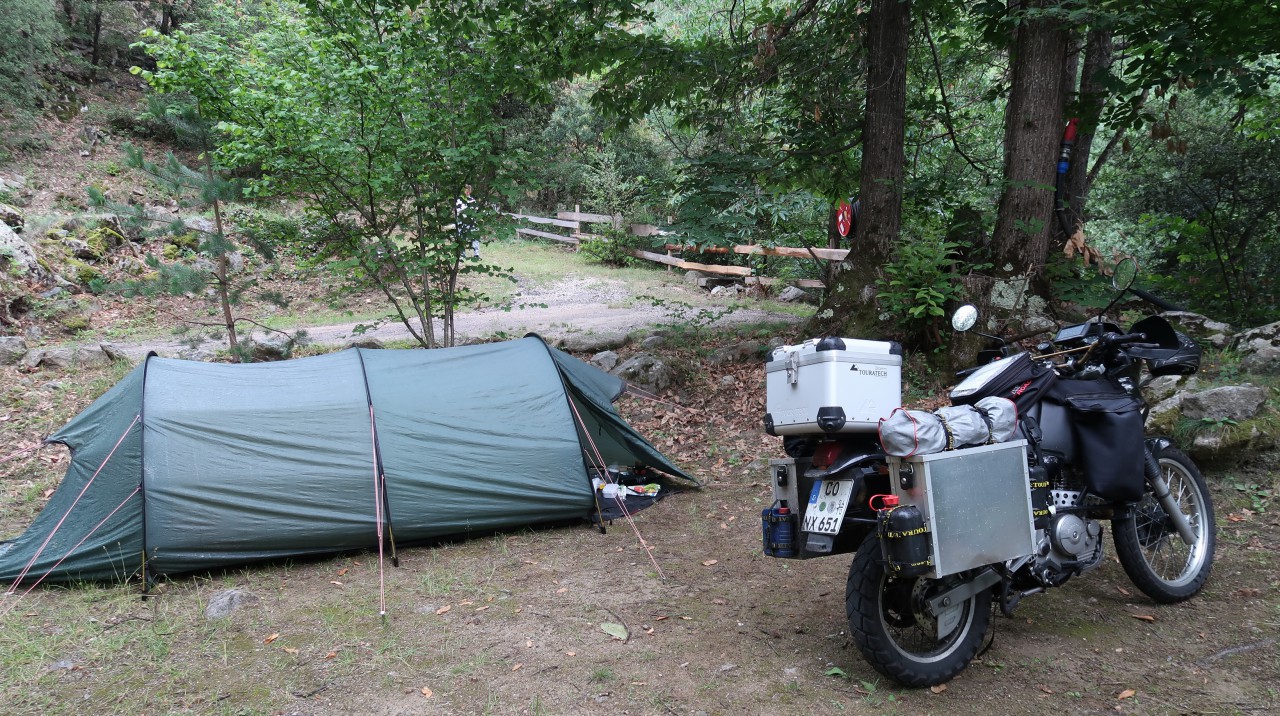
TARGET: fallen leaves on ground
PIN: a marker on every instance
(1126, 694)
(271, 638)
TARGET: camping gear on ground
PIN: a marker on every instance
(186, 466)
(831, 385)
(921, 432)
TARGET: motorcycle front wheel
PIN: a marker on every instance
(898, 634)
(1155, 557)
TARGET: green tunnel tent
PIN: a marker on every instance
(199, 465)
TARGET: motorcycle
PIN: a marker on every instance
(942, 539)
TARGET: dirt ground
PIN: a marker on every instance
(511, 623)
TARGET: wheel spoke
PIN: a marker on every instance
(1169, 557)
(1151, 547)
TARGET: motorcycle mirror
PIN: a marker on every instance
(1124, 273)
(964, 318)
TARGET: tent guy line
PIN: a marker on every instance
(379, 494)
(96, 527)
(618, 497)
(13, 587)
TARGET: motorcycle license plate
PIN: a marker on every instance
(827, 504)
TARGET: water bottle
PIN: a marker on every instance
(778, 532)
(783, 532)
(904, 539)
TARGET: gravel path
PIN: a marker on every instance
(572, 305)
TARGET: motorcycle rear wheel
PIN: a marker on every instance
(1149, 548)
(895, 631)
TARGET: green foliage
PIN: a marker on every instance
(1203, 214)
(920, 282)
(1083, 286)
(198, 255)
(1257, 494)
(31, 33)
(579, 157)
(613, 248)
(376, 116)
(685, 318)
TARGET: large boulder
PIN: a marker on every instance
(12, 349)
(1230, 402)
(604, 360)
(11, 216)
(12, 182)
(1260, 349)
(591, 342)
(744, 352)
(17, 257)
(82, 357)
(1230, 444)
(1201, 328)
(1226, 428)
(270, 347)
(791, 294)
(200, 224)
(646, 371)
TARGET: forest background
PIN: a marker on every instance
(733, 122)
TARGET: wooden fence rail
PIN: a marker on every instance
(573, 220)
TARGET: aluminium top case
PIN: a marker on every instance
(832, 385)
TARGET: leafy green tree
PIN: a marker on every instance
(1204, 204)
(375, 117)
(214, 250)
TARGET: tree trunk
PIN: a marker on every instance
(97, 41)
(168, 22)
(224, 282)
(1033, 134)
(851, 302)
(1099, 53)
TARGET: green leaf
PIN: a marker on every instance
(615, 630)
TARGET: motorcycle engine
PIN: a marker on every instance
(1071, 545)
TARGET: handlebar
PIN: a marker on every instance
(1117, 339)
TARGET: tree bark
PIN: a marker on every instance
(1098, 56)
(1033, 133)
(851, 300)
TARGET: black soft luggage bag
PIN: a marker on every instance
(1108, 430)
(1022, 380)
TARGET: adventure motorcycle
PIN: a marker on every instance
(939, 538)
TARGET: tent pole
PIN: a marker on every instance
(391, 533)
